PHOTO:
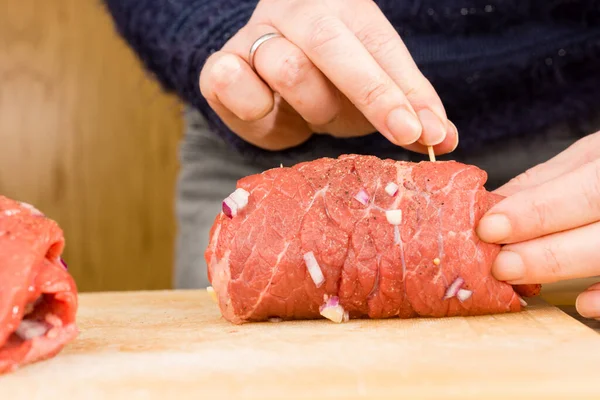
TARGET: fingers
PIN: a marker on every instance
(243, 101)
(289, 72)
(579, 153)
(387, 48)
(588, 302)
(227, 79)
(565, 255)
(449, 144)
(567, 202)
(343, 59)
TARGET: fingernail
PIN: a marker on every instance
(453, 129)
(434, 130)
(508, 266)
(404, 126)
(588, 304)
(494, 228)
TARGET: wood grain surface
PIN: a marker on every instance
(87, 137)
(175, 345)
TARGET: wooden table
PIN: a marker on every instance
(175, 345)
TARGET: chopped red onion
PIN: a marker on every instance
(333, 310)
(29, 329)
(391, 189)
(332, 301)
(314, 269)
(240, 196)
(235, 202)
(454, 288)
(64, 264)
(394, 217)
(229, 208)
(362, 197)
(464, 294)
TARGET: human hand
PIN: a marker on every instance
(550, 223)
(340, 68)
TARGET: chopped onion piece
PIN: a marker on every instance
(229, 208)
(523, 302)
(333, 310)
(346, 316)
(454, 288)
(240, 197)
(397, 237)
(235, 202)
(394, 217)
(464, 294)
(362, 197)
(64, 264)
(212, 293)
(29, 329)
(391, 189)
(314, 269)
(332, 301)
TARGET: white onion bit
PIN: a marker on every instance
(28, 329)
(333, 310)
(314, 269)
(394, 217)
(362, 197)
(391, 189)
(454, 288)
(464, 294)
(397, 238)
(523, 302)
(240, 196)
(212, 293)
(235, 202)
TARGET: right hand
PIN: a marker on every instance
(340, 68)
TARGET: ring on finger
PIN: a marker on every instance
(257, 44)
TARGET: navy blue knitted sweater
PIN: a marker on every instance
(503, 68)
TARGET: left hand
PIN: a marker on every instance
(550, 223)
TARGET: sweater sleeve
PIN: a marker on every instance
(174, 38)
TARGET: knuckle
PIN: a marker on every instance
(372, 92)
(528, 176)
(223, 72)
(253, 112)
(552, 262)
(292, 70)
(324, 30)
(592, 195)
(541, 214)
(378, 42)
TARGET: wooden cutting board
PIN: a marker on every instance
(175, 345)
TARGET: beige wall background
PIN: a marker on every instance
(89, 139)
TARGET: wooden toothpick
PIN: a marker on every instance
(431, 153)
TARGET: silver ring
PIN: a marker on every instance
(257, 44)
